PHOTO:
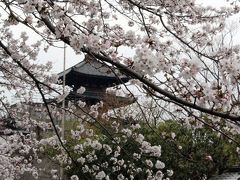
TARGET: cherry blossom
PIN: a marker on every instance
(183, 64)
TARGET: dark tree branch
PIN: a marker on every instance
(38, 85)
(144, 80)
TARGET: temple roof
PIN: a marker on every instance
(232, 173)
(93, 73)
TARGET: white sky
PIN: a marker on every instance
(214, 3)
(55, 55)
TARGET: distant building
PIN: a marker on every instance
(231, 174)
(95, 77)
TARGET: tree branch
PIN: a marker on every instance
(144, 80)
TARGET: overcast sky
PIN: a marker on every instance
(56, 54)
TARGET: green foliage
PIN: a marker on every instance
(193, 153)
(190, 153)
(128, 147)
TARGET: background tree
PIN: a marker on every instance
(175, 61)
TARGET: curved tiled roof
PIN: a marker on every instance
(233, 173)
(93, 71)
(227, 176)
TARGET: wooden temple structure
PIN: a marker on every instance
(96, 77)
